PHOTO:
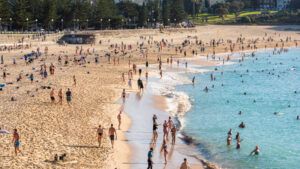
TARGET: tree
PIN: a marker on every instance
(236, 7)
(222, 11)
(295, 4)
(177, 11)
(64, 13)
(143, 12)
(105, 9)
(50, 13)
(166, 11)
(21, 13)
(5, 12)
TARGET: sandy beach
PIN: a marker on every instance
(48, 128)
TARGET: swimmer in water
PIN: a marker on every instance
(298, 117)
(242, 125)
(206, 89)
(238, 144)
(229, 132)
(229, 140)
(237, 136)
(240, 112)
(256, 151)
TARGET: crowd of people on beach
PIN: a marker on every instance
(119, 51)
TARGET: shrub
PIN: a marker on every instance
(245, 19)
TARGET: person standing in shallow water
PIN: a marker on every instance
(173, 133)
(123, 95)
(119, 120)
(256, 151)
(164, 149)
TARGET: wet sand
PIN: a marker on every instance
(140, 109)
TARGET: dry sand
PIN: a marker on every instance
(47, 129)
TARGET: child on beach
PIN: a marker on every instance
(150, 155)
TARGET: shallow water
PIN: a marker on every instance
(214, 113)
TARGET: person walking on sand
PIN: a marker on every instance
(165, 130)
(164, 149)
(147, 76)
(31, 78)
(112, 135)
(52, 96)
(60, 96)
(124, 95)
(119, 120)
(100, 134)
(155, 134)
(2, 60)
(16, 141)
(161, 74)
(74, 81)
(69, 96)
(150, 162)
(173, 132)
(170, 123)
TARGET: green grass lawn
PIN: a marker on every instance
(230, 18)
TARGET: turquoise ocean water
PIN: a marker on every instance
(270, 80)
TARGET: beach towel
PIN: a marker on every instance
(4, 131)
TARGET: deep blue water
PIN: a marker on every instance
(271, 80)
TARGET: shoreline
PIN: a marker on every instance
(161, 103)
(64, 129)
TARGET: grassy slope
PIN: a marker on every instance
(230, 18)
